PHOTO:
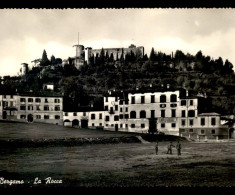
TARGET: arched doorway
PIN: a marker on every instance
(75, 123)
(231, 133)
(4, 115)
(30, 118)
(84, 123)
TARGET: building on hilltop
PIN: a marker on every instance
(83, 55)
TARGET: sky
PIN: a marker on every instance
(25, 33)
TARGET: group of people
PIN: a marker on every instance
(169, 148)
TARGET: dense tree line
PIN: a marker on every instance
(198, 73)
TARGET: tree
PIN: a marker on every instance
(53, 60)
(152, 56)
(44, 60)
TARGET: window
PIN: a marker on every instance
(132, 125)
(74, 114)
(183, 122)
(126, 109)
(152, 113)
(4, 96)
(121, 116)
(142, 99)
(213, 121)
(191, 122)
(22, 99)
(120, 109)
(46, 107)
(162, 98)
(106, 108)
(57, 100)
(111, 110)
(173, 98)
(163, 113)
(190, 130)
(182, 130)
(152, 98)
(57, 108)
(106, 99)
(183, 103)
(30, 99)
(107, 125)
(106, 118)
(162, 125)
(133, 114)
(46, 100)
(11, 103)
(121, 102)
(212, 131)
(116, 107)
(66, 113)
(173, 125)
(100, 116)
(38, 116)
(93, 124)
(30, 107)
(142, 125)
(46, 117)
(142, 114)
(126, 126)
(120, 125)
(202, 131)
(22, 107)
(11, 96)
(126, 116)
(133, 99)
(84, 113)
(183, 113)
(22, 116)
(202, 121)
(191, 113)
(173, 113)
(191, 102)
(92, 116)
(100, 124)
(57, 116)
(37, 100)
(116, 118)
(116, 99)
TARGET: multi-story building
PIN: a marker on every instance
(88, 119)
(168, 111)
(203, 126)
(30, 108)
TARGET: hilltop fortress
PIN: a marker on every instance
(83, 55)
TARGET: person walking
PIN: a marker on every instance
(178, 147)
(169, 151)
(156, 148)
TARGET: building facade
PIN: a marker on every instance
(171, 112)
(28, 108)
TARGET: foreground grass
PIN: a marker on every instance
(123, 165)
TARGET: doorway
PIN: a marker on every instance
(84, 123)
(30, 118)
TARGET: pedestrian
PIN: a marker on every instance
(169, 151)
(156, 148)
(178, 147)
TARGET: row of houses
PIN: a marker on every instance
(167, 111)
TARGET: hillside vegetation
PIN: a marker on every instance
(200, 74)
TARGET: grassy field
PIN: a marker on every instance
(122, 165)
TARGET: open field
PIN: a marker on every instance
(123, 164)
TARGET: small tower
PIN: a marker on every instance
(24, 69)
(79, 59)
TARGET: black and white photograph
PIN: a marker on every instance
(117, 98)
